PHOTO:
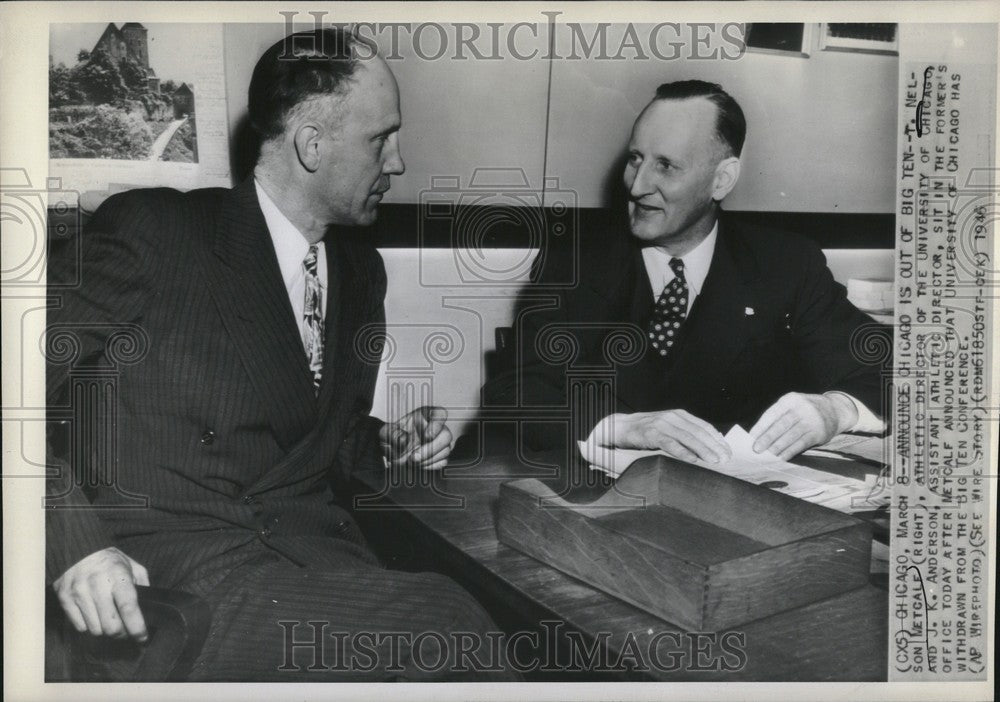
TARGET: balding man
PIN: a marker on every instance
(249, 412)
(732, 324)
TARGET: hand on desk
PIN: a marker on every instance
(98, 595)
(676, 432)
(799, 421)
(420, 438)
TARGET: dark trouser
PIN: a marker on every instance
(348, 619)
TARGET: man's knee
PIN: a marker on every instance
(457, 638)
(449, 605)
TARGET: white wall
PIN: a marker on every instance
(440, 322)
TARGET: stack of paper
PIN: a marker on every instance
(834, 491)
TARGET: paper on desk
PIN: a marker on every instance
(872, 448)
(834, 491)
(821, 453)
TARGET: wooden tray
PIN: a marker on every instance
(697, 548)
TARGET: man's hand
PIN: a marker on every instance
(676, 432)
(98, 595)
(798, 421)
(419, 438)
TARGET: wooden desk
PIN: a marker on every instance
(446, 522)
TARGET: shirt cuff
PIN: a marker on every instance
(868, 421)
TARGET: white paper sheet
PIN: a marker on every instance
(834, 491)
(872, 448)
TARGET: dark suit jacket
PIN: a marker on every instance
(770, 319)
(212, 426)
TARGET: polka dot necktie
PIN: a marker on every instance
(670, 311)
(312, 334)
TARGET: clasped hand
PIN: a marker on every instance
(420, 438)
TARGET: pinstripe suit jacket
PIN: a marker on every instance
(212, 437)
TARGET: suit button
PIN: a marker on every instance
(248, 499)
(342, 527)
(208, 437)
(265, 532)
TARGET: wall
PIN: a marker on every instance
(441, 327)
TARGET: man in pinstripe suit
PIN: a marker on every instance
(248, 411)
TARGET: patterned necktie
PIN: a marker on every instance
(312, 335)
(670, 311)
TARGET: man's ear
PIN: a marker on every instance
(726, 175)
(307, 145)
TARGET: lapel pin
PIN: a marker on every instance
(748, 311)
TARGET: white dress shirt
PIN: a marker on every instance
(291, 248)
(696, 264)
(697, 261)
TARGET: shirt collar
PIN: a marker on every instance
(290, 245)
(697, 261)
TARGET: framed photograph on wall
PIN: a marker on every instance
(869, 38)
(781, 38)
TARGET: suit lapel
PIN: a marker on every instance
(608, 291)
(641, 385)
(715, 331)
(341, 287)
(618, 291)
(245, 281)
(348, 296)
